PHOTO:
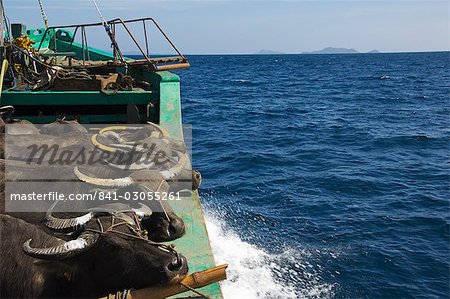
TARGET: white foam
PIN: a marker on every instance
(254, 273)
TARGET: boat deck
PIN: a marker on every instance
(195, 244)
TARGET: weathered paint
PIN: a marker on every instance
(195, 243)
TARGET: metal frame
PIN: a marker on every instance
(116, 52)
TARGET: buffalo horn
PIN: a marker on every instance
(120, 182)
(166, 174)
(64, 250)
(176, 169)
(66, 224)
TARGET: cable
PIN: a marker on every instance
(44, 16)
(2, 33)
(100, 13)
(108, 31)
(4, 22)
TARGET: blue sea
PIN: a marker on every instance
(325, 176)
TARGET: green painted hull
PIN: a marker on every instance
(195, 244)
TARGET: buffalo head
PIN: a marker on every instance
(111, 252)
(163, 224)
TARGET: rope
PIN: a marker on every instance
(110, 33)
(138, 234)
(44, 16)
(194, 290)
(2, 24)
(100, 13)
(5, 26)
(63, 74)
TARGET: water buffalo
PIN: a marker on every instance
(104, 258)
(61, 127)
(162, 225)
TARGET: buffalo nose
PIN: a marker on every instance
(177, 268)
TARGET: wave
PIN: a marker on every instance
(244, 82)
(408, 140)
(255, 273)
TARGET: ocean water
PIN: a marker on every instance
(325, 176)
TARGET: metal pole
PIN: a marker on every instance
(86, 43)
(146, 37)
(82, 44)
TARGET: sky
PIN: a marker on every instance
(240, 27)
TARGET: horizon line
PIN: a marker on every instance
(380, 52)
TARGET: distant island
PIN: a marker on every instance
(267, 52)
(331, 50)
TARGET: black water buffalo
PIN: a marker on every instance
(99, 261)
(162, 225)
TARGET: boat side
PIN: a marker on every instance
(165, 103)
(195, 244)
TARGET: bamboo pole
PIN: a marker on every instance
(193, 281)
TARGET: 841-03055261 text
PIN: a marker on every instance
(96, 196)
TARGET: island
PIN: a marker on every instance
(331, 50)
(267, 52)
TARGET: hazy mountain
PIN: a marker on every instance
(267, 52)
(331, 50)
(374, 52)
